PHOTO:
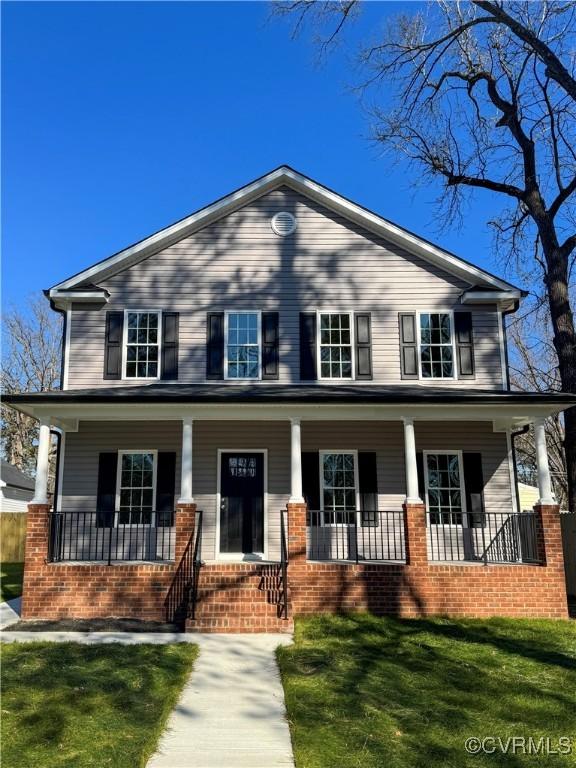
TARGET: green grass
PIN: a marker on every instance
(365, 692)
(99, 706)
(11, 580)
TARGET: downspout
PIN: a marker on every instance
(517, 433)
(64, 314)
(525, 428)
(58, 435)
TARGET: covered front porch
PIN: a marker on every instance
(124, 469)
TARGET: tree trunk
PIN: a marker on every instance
(564, 340)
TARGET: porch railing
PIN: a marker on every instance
(110, 536)
(488, 537)
(369, 535)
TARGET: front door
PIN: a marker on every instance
(242, 503)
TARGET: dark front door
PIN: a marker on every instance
(242, 503)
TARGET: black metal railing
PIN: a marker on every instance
(369, 535)
(283, 570)
(110, 536)
(488, 537)
(182, 596)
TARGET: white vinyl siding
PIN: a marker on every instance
(238, 264)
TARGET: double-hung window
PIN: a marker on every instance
(335, 345)
(436, 337)
(339, 486)
(243, 356)
(141, 344)
(444, 487)
(136, 487)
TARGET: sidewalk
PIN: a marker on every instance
(10, 612)
(231, 712)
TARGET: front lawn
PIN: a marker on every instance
(11, 575)
(88, 706)
(372, 692)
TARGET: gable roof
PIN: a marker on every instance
(284, 176)
(12, 476)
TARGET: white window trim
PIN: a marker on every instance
(239, 556)
(242, 312)
(323, 453)
(449, 312)
(458, 453)
(125, 344)
(319, 313)
(124, 452)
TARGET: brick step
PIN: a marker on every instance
(239, 624)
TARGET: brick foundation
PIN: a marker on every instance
(236, 597)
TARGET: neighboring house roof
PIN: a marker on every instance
(290, 393)
(85, 281)
(12, 476)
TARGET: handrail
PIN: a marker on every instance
(184, 585)
(196, 565)
(283, 597)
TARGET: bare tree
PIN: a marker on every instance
(484, 99)
(31, 363)
(534, 368)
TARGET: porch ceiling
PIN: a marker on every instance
(273, 402)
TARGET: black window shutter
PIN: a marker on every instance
(165, 487)
(113, 351)
(215, 345)
(420, 471)
(106, 491)
(170, 323)
(270, 343)
(311, 479)
(308, 346)
(408, 345)
(464, 344)
(363, 345)
(368, 482)
(473, 486)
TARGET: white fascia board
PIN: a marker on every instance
(63, 299)
(287, 176)
(504, 299)
(504, 415)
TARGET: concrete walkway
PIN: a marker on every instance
(10, 612)
(231, 712)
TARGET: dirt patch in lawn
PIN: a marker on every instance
(92, 625)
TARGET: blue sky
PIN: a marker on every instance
(120, 118)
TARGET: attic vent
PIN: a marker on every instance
(283, 223)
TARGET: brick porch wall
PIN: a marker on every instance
(86, 591)
(420, 588)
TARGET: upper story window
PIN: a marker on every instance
(436, 345)
(243, 345)
(335, 345)
(142, 344)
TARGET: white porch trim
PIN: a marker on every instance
(544, 480)
(186, 488)
(42, 463)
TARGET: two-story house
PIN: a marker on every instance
(284, 404)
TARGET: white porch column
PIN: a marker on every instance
(544, 482)
(42, 462)
(412, 496)
(186, 496)
(295, 463)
